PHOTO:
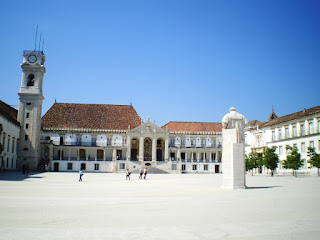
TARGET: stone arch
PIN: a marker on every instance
(147, 149)
(160, 149)
(134, 149)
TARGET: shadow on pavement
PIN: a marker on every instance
(262, 187)
(17, 176)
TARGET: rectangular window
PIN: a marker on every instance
(318, 126)
(27, 126)
(69, 166)
(286, 132)
(311, 144)
(183, 156)
(122, 166)
(4, 140)
(27, 115)
(13, 143)
(205, 167)
(287, 150)
(8, 146)
(294, 130)
(280, 150)
(280, 134)
(273, 135)
(303, 147)
(183, 167)
(302, 131)
(194, 167)
(172, 156)
(96, 166)
(174, 167)
(311, 128)
(26, 137)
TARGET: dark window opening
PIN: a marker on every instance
(30, 80)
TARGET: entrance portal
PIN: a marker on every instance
(216, 169)
(147, 149)
(56, 167)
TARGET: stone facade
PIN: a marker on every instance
(9, 137)
(300, 129)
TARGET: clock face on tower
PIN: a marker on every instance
(32, 58)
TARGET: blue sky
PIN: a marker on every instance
(174, 60)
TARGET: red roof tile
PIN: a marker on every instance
(193, 127)
(253, 123)
(91, 116)
(293, 116)
(9, 113)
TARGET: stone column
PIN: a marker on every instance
(166, 149)
(114, 154)
(233, 161)
(154, 149)
(141, 149)
(128, 148)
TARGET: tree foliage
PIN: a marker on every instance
(270, 159)
(253, 160)
(293, 160)
(314, 158)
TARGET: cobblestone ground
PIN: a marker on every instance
(186, 206)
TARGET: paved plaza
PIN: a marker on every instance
(165, 206)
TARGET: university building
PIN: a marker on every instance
(300, 129)
(113, 138)
(106, 138)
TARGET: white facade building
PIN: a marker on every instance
(101, 143)
(300, 129)
(9, 136)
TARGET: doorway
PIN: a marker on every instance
(216, 168)
(56, 167)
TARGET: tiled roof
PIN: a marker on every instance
(253, 123)
(91, 116)
(293, 116)
(192, 127)
(9, 113)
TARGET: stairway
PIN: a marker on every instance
(151, 170)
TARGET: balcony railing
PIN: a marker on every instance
(194, 146)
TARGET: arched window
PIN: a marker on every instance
(30, 80)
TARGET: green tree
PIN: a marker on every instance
(270, 159)
(314, 158)
(293, 160)
(252, 161)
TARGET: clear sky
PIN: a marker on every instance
(174, 60)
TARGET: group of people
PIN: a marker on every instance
(141, 173)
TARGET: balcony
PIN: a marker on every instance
(195, 146)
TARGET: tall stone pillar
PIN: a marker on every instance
(128, 148)
(233, 163)
(166, 149)
(141, 149)
(154, 149)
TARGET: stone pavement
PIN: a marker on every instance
(165, 206)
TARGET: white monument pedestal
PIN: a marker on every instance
(233, 164)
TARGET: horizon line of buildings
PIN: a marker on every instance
(112, 138)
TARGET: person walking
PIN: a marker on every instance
(140, 172)
(128, 174)
(145, 173)
(80, 176)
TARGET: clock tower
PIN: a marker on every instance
(30, 105)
